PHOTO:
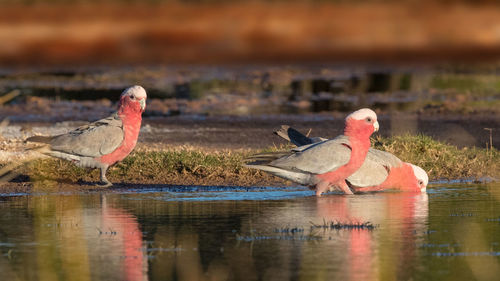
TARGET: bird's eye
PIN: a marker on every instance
(369, 119)
(420, 182)
(132, 97)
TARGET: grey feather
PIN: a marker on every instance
(385, 157)
(298, 177)
(375, 168)
(317, 158)
(292, 135)
(93, 140)
(40, 139)
(80, 161)
(265, 157)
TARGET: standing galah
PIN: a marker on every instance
(327, 163)
(104, 142)
(380, 171)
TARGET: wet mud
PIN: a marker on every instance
(256, 132)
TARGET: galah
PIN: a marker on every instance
(326, 163)
(380, 171)
(104, 142)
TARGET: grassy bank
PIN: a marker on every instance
(174, 166)
(441, 160)
(196, 167)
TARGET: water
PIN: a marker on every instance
(451, 233)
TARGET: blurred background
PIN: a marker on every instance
(416, 60)
(124, 32)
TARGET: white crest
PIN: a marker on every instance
(421, 175)
(362, 114)
(136, 91)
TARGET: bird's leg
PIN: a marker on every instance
(340, 186)
(104, 180)
(333, 187)
(321, 187)
(344, 187)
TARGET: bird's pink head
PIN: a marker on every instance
(406, 177)
(361, 123)
(133, 100)
(422, 179)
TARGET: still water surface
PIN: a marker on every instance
(451, 233)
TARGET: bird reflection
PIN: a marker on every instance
(367, 251)
(126, 241)
(79, 243)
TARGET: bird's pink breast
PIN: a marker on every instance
(359, 149)
(131, 128)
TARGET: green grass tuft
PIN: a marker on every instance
(441, 160)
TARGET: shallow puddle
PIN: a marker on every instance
(451, 233)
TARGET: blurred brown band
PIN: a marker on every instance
(246, 32)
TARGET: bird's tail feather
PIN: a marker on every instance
(290, 134)
(264, 158)
(40, 139)
(298, 177)
(283, 132)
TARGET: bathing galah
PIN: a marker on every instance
(326, 163)
(102, 143)
(380, 171)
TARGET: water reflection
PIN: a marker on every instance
(75, 242)
(366, 253)
(124, 240)
(144, 236)
(60, 220)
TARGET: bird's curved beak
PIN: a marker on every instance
(142, 102)
(376, 126)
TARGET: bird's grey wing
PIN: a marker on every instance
(318, 140)
(375, 168)
(302, 148)
(93, 140)
(387, 158)
(317, 158)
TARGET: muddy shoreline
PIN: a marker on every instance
(255, 132)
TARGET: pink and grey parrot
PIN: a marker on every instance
(328, 163)
(104, 142)
(380, 171)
